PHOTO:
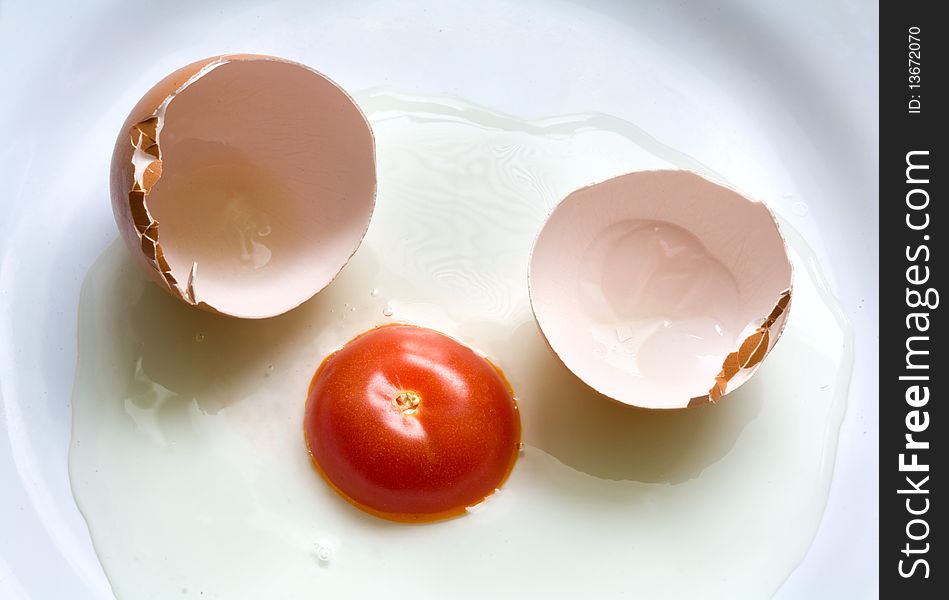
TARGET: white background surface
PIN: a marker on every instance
(780, 98)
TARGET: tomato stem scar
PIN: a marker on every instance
(407, 402)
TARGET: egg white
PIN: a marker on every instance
(188, 460)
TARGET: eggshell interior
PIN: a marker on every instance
(244, 183)
(660, 289)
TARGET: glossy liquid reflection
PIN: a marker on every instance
(187, 460)
(653, 291)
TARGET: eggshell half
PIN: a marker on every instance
(244, 183)
(661, 289)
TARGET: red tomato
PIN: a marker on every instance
(411, 425)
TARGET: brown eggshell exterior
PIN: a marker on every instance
(122, 172)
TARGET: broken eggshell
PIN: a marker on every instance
(660, 289)
(244, 183)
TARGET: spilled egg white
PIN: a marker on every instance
(188, 462)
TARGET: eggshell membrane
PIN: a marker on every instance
(244, 183)
(660, 289)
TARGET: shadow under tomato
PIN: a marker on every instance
(593, 434)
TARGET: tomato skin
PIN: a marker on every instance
(398, 459)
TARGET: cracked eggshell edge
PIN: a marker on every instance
(123, 180)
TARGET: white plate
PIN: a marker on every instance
(781, 100)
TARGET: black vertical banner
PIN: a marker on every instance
(914, 370)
